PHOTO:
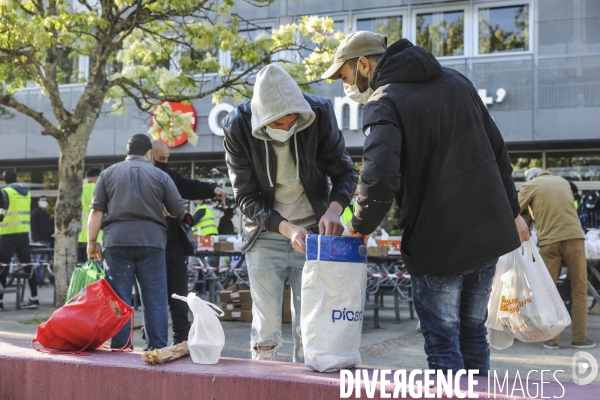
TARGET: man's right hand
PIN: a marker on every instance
(296, 234)
(93, 251)
(522, 228)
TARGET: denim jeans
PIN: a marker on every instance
(268, 260)
(147, 264)
(453, 312)
(41, 258)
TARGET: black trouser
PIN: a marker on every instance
(81, 252)
(177, 283)
(9, 245)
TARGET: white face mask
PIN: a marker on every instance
(279, 134)
(43, 204)
(355, 94)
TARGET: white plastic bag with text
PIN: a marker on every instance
(531, 308)
(334, 283)
(497, 338)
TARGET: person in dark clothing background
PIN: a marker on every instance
(15, 199)
(226, 224)
(42, 226)
(176, 260)
(42, 229)
(431, 144)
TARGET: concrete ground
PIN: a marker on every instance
(393, 346)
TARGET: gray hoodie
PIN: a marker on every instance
(277, 95)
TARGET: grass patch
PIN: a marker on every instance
(33, 321)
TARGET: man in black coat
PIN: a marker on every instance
(431, 144)
(189, 189)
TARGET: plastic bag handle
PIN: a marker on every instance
(215, 308)
(531, 251)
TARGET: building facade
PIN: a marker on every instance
(535, 63)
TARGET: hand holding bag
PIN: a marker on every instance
(88, 320)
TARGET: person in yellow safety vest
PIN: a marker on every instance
(203, 217)
(91, 176)
(15, 200)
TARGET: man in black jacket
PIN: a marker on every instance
(280, 148)
(176, 260)
(431, 144)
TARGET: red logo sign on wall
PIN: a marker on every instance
(184, 108)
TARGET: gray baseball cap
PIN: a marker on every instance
(357, 44)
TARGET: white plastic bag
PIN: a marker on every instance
(206, 338)
(497, 338)
(592, 244)
(531, 309)
(334, 284)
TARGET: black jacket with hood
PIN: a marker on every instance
(433, 145)
(320, 152)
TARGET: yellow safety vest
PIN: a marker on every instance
(346, 217)
(18, 215)
(86, 200)
(206, 226)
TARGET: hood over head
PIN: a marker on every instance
(276, 95)
(22, 190)
(404, 62)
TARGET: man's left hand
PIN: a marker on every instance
(330, 223)
(220, 194)
(354, 233)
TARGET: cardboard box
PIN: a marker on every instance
(239, 315)
(245, 305)
(287, 305)
(223, 246)
(235, 294)
(287, 318)
(377, 251)
(393, 244)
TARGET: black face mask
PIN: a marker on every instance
(161, 165)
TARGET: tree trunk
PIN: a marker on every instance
(68, 209)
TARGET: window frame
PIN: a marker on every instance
(507, 3)
(390, 12)
(467, 10)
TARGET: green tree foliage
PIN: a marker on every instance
(493, 39)
(145, 52)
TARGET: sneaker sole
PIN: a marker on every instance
(588, 346)
(551, 347)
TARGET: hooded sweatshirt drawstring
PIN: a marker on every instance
(297, 159)
(268, 167)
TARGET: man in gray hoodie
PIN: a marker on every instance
(281, 148)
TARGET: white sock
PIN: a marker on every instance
(33, 298)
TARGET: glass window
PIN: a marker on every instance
(503, 29)
(574, 166)
(442, 33)
(68, 65)
(238, 64)
(388, 26)
(521, 162)
(184, 168)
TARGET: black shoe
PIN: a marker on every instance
(31, 304)
(1, 306)
(586, 344)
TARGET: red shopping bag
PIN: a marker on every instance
(88, 320)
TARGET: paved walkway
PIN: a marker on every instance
(394, 346)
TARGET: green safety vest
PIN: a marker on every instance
(86, 201)
(206, 226)
(18, 215)
(346, 217)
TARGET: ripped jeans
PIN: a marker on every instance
(268, 260)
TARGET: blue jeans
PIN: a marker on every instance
(41, 258)
(268, 260)
(453, 312)
(147, 264)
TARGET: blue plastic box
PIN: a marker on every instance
(336, 248)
